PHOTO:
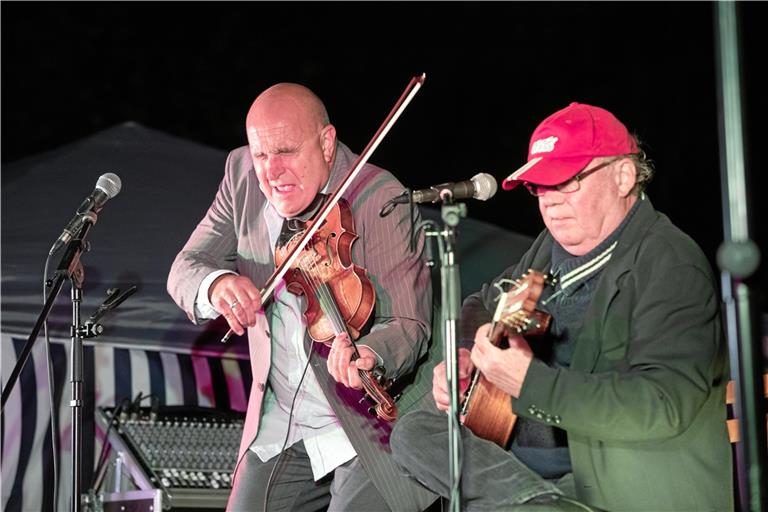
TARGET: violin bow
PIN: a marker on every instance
(410, 91)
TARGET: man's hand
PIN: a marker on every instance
(340, 364)
(504, 368)
(237, 298)
(440, 386)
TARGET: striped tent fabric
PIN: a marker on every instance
(110, 374)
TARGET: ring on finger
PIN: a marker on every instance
(233, 304)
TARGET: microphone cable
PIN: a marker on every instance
(52, 404)
(125, 404)
(287, 434)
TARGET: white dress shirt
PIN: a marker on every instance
(313, 419)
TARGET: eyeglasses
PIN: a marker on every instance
(568, 186)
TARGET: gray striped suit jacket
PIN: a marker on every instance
(233, 235)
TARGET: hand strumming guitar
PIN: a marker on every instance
(503, 367)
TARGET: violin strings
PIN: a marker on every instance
(325, 298)
(323, 293)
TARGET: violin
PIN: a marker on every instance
(340, 296)
(385, 407)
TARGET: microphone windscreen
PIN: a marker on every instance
(485, 186)
(110, 184)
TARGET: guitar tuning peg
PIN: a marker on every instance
(532, 323)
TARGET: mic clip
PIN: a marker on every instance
(72, 231)
(89, 330)
(114, 298)
(452, 213)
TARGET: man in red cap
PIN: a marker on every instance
(621, 403)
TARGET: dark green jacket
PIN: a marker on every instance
(643, 402)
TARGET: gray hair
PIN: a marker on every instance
(644, 167)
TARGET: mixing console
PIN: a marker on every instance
(188, 453)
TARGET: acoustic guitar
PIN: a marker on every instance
(486, 409)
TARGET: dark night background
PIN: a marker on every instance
(494, 71)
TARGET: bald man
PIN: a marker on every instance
(305, 408)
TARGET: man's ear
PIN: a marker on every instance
(328, 142)
(626, 176)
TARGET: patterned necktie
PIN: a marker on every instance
(296, 225)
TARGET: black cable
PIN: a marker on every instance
(428, 253)
(390, 205)
(287, 434)
(126, 405)
(134, 410)
(102, 459)
(412, 234)
(54, 414)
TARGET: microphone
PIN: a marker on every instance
(482, 186)
(107, 187)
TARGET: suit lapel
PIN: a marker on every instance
(256, 233)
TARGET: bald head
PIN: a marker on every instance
(292, 104)
(292, 144)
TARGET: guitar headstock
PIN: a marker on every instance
(516, 308)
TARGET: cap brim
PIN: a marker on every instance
(550, 171)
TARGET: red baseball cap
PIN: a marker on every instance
(565, 142)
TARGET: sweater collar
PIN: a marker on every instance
(572, 272)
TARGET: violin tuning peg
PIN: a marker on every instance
(378, 372)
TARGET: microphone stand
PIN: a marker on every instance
(739, 258)
(76, 275)
(451, 308)
(71, 267)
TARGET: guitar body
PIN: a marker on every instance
(487, 410)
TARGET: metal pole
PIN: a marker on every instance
(451, 303)
(738, 258)
(76, 403)
(451, 299)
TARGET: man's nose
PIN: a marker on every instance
(273, 167)
(550, 197)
